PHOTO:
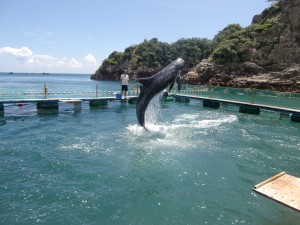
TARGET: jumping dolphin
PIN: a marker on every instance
(155, 84)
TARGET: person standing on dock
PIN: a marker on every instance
(124, 82)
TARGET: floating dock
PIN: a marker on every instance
(53, 103)
(238, 103)
(244, 107)
(282, 188)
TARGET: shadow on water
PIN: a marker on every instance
(123, 105)
(2, 121)
(47, 112)
(98, 108)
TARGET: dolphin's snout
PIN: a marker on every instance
(180, 63)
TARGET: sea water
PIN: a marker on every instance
(98, 166)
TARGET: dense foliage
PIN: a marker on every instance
(233, 45)
(152, 55)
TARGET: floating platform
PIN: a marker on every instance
(53, 103)
(282, 188)
(244, 107)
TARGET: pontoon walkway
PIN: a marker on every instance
(244, 107)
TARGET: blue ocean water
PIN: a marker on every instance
(97, 166)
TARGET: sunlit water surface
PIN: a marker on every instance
(98, 166)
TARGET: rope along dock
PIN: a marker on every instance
(244, 107)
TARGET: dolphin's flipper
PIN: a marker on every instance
(171, 86)
(179, 82)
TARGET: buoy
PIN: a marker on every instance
(295, 117)
(249, 109)
(181, 99)
(98, 103)
(167, 99)
(211, 104)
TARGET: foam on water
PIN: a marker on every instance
(175, 134)
(194, 121)
(154, 130)
(181, 122)
(165, 130)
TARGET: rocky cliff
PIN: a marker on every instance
(264, 55)
(275, 62)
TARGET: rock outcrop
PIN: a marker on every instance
(276, 62)
(246, 75)
(264, 55)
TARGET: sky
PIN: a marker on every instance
(75, 36)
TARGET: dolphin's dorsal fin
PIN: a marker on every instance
(144, 81)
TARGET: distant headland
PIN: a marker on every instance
(264, 55)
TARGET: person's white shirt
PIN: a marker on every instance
(124, 79)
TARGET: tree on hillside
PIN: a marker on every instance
(151, 54)
(192, 50)
(230, 29)
(233, 44)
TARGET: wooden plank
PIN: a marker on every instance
(269, 180)
(282, 188)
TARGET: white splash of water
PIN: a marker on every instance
(153, 111)
(182, 122)
(153, 130)
(176, 133)
(194, 121)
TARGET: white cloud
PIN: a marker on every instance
(90, 60)
(27, 61)
(40, 33)
(20, 53)
(74, 63)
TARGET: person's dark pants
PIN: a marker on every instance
(124, 88)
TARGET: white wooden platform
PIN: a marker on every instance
(282, 188)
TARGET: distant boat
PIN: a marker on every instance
(11, 73)
(45, 73)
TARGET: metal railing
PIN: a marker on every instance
(282, 99)
(65, 91)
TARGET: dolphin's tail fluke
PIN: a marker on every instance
(146, 129)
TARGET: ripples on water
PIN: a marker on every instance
(195, 166)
